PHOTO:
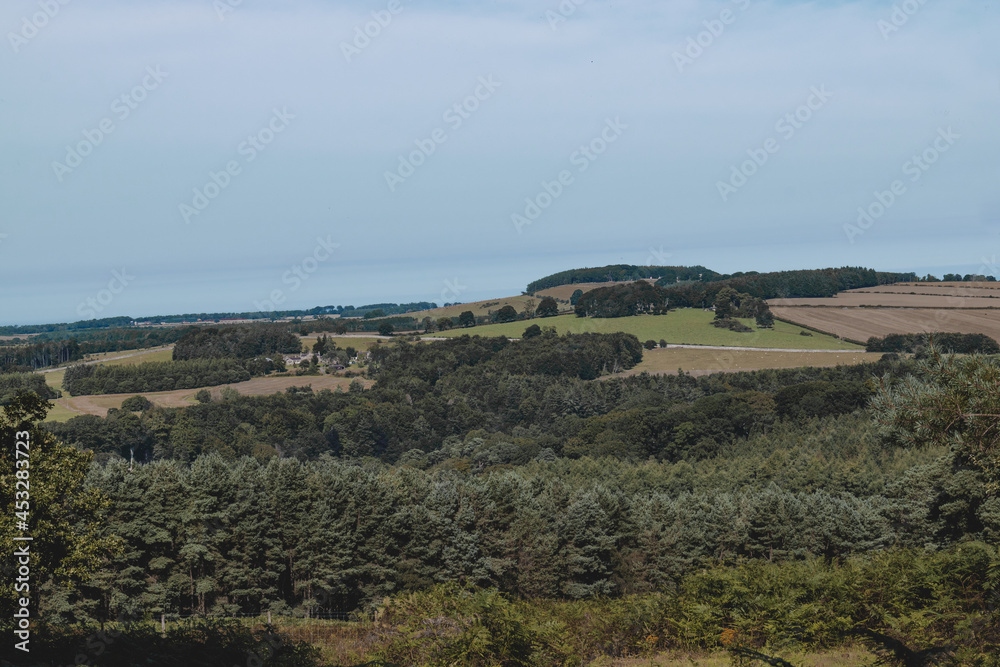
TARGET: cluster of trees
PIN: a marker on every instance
(11, 383)
(621, 273)
(967, 278)
(946, 342)
(236, 342)
(165, 376)
(637, 298)
(781, 284)
(729, 304)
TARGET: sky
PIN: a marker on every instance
(178, 156)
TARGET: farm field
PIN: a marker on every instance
(74, 406)
(861, 323)
(936, 288)
(477, 307)
(857, 298)
(706, 361)
(564, 292)
(686, 326)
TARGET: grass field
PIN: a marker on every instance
(686, 326)
(131, 357)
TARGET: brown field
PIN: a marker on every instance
(477, 307)
(959, 289)
(73, 406)
(564, 292)
(857, 298)
(706, 361)
(861, 323)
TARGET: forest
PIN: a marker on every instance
(946, 342)
(509, 481)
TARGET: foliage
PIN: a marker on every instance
(621, 273)
(780, 284)
(236, 342)
(63, 518)
(547, 307)
(11, 383)
(136, 404)
(956, 343)
(950, 402)
(638, 298)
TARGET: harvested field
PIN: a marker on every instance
(706, 361)
(856, 298)
(564, 292)
(180, 398)
(859, 324)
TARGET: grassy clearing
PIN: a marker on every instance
(60, 413)
(687, 326)
(689, 359)
(132, 357)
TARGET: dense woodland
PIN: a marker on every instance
(946, 342)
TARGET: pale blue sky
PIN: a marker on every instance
(199, 81)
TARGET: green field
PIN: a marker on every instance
(686, 326)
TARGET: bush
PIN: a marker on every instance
(532, 331)
(731, 324)
(649, 344)
(136, 404)
(203, 396)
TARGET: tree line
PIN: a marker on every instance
(957, 343)
(782, 284)
(620, 273)
(164, 376)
